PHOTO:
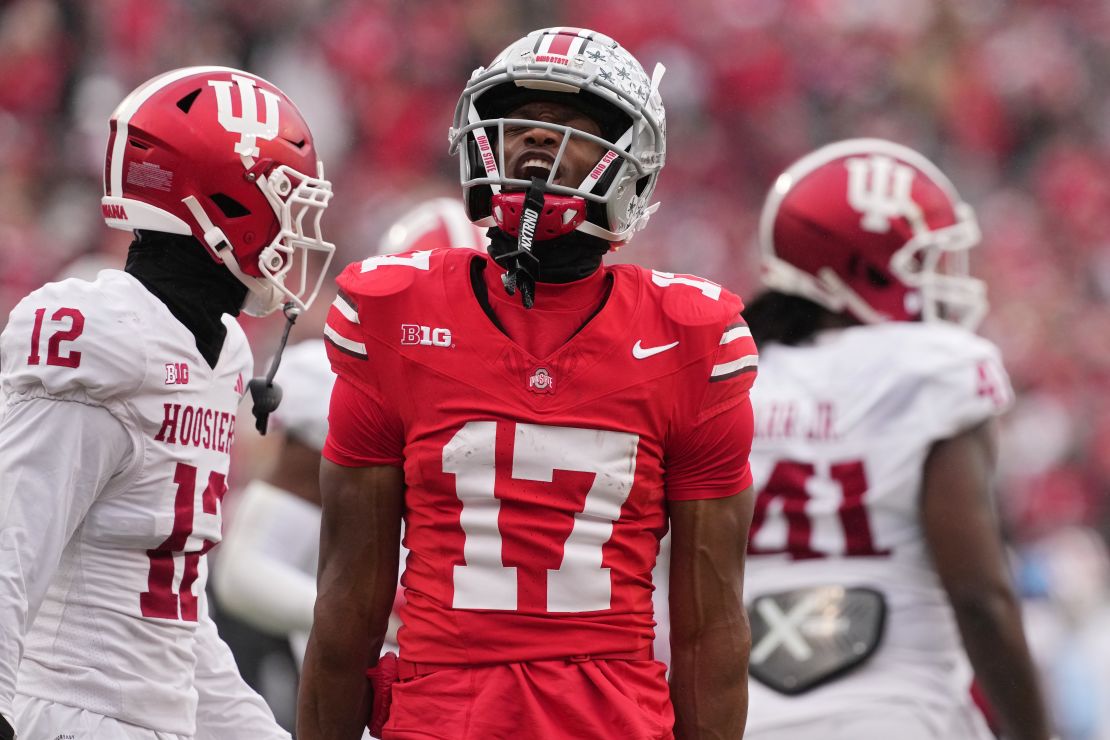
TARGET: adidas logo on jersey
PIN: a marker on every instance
(425, 335)
(177, 373)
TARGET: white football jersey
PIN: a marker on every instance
(116, 629)
(843, 428)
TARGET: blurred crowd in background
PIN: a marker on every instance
(1010, 97)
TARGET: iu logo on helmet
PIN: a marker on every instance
(881, 189)
(247, 123)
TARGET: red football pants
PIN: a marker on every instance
(539, 700)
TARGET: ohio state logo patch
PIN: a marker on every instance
(541, 381)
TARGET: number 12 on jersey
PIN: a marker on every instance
(580, 583)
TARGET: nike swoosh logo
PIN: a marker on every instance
(642, 353)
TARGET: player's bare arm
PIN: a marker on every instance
(961, 527)
(359, 544)
(297, 470)
(710, 637)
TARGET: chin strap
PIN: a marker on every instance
(523, 266)
(266, 395)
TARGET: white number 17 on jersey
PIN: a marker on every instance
(580, 584)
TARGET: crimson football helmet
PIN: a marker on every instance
(225, 156)
(594, 73)
(873, 228)
(432, 224)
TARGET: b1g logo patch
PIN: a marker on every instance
(177, 373)
(425, 335)
(541, 381)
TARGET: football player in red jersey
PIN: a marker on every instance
(874, 549)
(539, 420)
(118, 413)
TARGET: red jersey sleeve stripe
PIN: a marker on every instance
(726, 370)
(346, 306)
(737, 348)
(344, 345)
(736, 343)
(343, 332)
(734, 332)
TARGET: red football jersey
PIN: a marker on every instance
(536, 487)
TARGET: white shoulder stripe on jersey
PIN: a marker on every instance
(730, 367)
(132, 102)
(346, 309)
(349, 345)
(735, 333)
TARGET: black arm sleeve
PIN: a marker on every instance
(7, 732)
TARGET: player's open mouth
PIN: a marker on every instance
(534, 167)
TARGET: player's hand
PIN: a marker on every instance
(381, 677)
(7, 732)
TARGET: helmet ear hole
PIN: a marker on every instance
(876, 277)
(230, 207)
(861, 268)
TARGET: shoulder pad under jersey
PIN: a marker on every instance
(371, 291)
(78, 338)
(690, 300)
(389, 274)
(957, 376)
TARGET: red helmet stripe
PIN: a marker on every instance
(561, 41)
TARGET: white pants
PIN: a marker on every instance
(38, 719)
(882, 723)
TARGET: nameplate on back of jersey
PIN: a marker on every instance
(808, 636)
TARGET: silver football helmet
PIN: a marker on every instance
(613, 201)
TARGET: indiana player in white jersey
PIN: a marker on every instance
(119, 412)
(874, 547)
(266, 572)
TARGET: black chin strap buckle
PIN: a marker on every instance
(265, 395)
(522, 266)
